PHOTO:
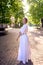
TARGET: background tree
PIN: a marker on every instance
(10, 8)
(4, 11)
(36, 10)
(17, 8)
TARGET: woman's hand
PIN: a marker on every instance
(19, 35)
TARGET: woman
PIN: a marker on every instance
(24, 47)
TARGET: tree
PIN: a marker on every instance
(36, 10)
(16, 9)
(10, 8)
(4, 11)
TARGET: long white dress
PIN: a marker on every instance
(24, 47)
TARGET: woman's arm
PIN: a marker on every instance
(19, 35)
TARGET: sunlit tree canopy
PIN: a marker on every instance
(10, 8)
(36, 10)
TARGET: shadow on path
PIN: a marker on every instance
(29, 63)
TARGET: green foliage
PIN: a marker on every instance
(10, 8)
(4, 12)
(36, 10)
(16, 9)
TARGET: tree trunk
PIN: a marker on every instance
(42, 22)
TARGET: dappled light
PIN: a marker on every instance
(9, 47)
(13, 15)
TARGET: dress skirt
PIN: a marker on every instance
(24, 49)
